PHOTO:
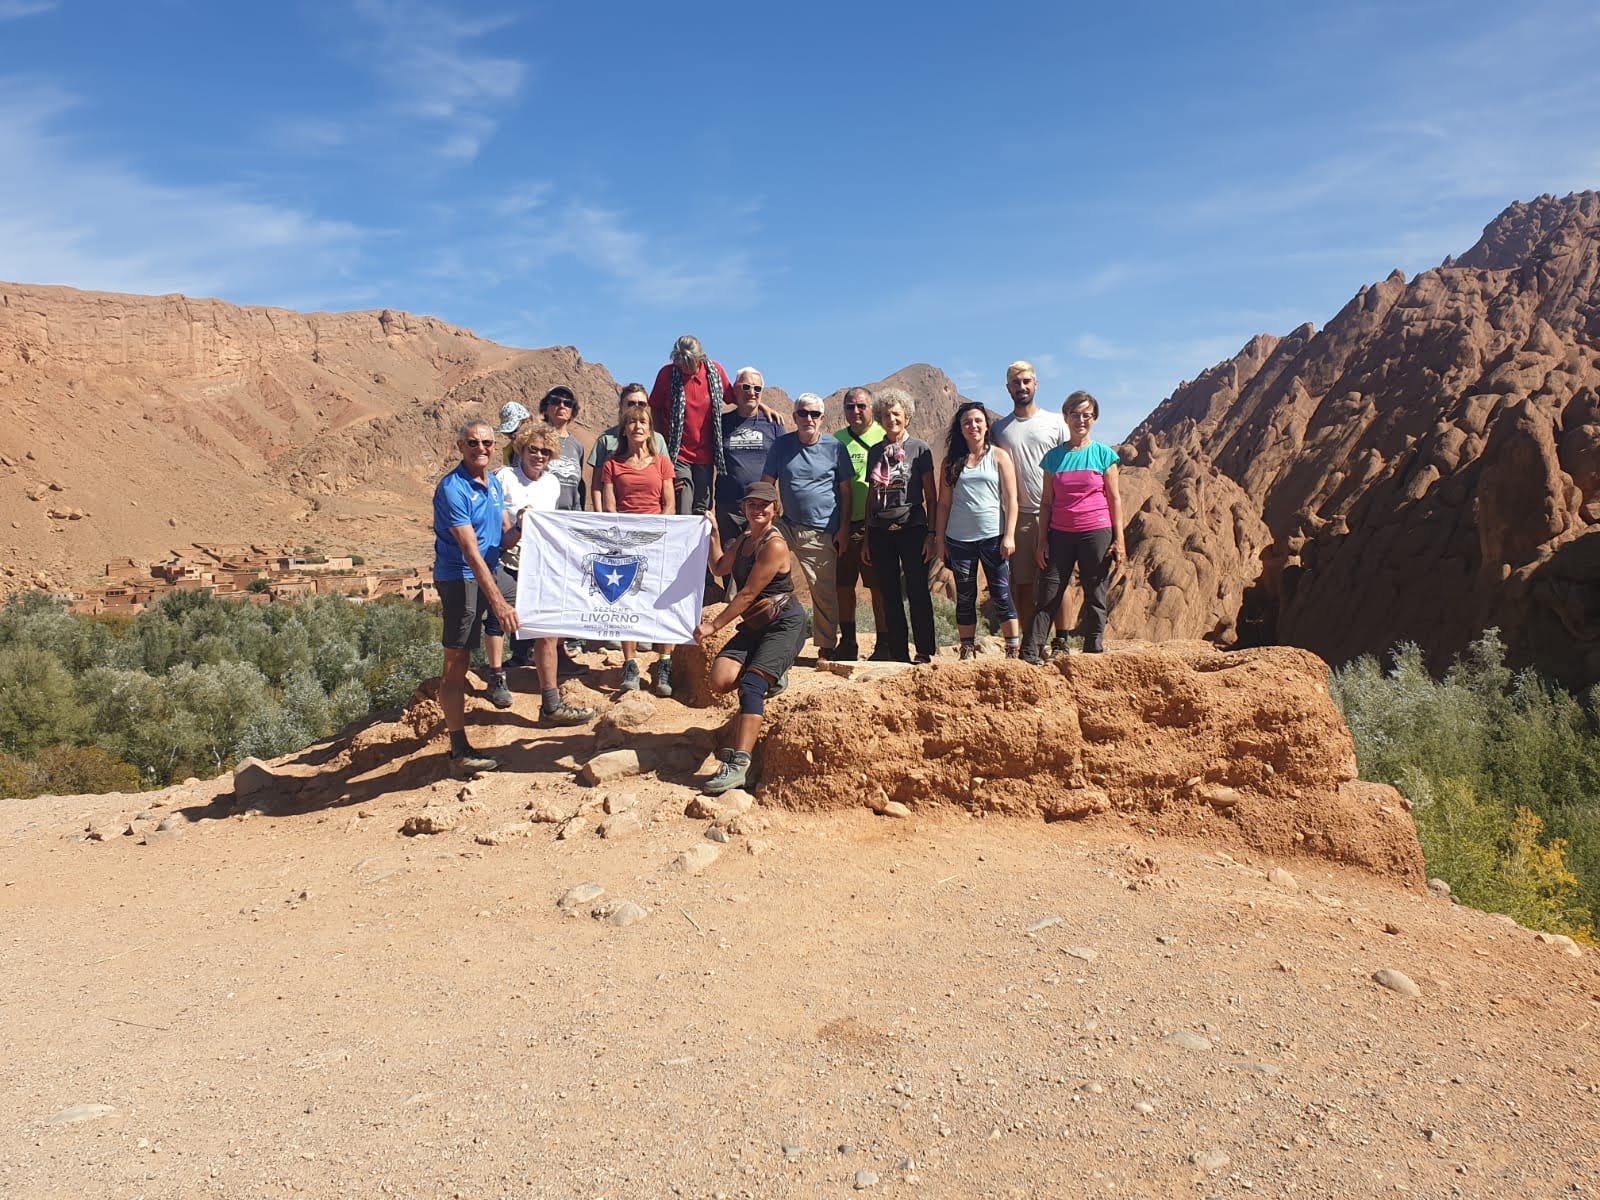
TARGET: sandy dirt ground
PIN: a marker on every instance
(304, 1001)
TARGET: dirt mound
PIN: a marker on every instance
(1237, 749)
(1439, 437)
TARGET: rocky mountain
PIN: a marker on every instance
(1426, 465)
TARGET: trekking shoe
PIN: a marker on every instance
(1031, 656)
(473, 762)
(565, 714)
(574, 646)
(922, 659)
(843, 652)
(1013, 651)
(664, 678)
(1094, 644)
(566, 668)
(733, 774)
(968, 651)
(499, 690)
(522, 658)
(1061, 645)
(630, 675)
(779, 687)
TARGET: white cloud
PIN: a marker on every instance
(70, 217)
(424, 52)
(1093, 346)
(15, 10)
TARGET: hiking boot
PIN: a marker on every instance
(843, 652)
(664, 678)
(1031, 656)
(1094, 644)
(1061, 645)
(922, 659)
(565, 714)
(968, 651)
(566, 668)
(1013, 650)
(630, 675)
(522, 658)
(499, 690)
(473, 762)
(733, 774)
(780, 686)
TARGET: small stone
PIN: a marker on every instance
(1219, 796)
(429, 821)
(718, 834)
(504, 834)
(1278, 877)
(77, 1113)
(1439, 887)
(756, 847)
(172, 823)
(1094, 1088)
(748, 824)
(1434, 1137)
(620, 802)
(1144, 1108)
(613, 764)
(252, 778)
(1262, 1068)
(1210, 1161)
(792, 1152)
(548, 812)
(583, 893)
(697, 858)
(1391, 928)
(466, 792)
(865, 1179)
(623, 914)
(1084, 953)
(1561, 942)
(571, 828)
(1185, 1039)
(1396, 981)
(721, 808)
(895, 809)
(1044, 923)
(624, 824)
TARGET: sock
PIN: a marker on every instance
(552, 699)
(739, 758)
(1014, 641)
(458, 743)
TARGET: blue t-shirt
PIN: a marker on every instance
(461, 500)
(808, 480)
(746, 441)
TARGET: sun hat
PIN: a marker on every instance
(512, 415)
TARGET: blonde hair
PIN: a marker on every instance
(536, 433)
(1021, 367)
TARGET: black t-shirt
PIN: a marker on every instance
(895, 488)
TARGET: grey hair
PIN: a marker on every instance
(803, 397)
(470, 424)
(743, 371)
(851, 393)
(893, 397)
(688, 349)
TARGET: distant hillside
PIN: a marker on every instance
(1425, 466)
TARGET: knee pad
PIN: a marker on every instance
(753, 690)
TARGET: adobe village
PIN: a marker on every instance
(1132, 923)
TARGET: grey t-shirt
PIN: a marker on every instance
(1028, 442)
(808, 480)
(568, 469)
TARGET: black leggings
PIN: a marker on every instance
(1089, 552)
(902, 574)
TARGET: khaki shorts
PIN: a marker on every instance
(1024, 568)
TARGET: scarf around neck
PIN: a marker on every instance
(679, 407)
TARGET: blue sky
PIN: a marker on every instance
(1124, 193)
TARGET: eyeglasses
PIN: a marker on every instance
(750, 387)
(484, 443)
(561, 400)
(1080, 416)
(807, 414)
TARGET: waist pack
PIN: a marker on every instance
(765, 611)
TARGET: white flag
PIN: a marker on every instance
(612, 575)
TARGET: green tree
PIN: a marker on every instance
(37, 705)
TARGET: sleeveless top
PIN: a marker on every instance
(975, 502)
(744, 563)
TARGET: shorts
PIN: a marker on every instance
(464, 607)
(507, 582)
(1024, 567)
(850, 566)
(770, 651)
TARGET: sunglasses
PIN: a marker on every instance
(540, 451)
(807, 414)
(483, 443)
(750, 387)
(856, 407)
(561, 400)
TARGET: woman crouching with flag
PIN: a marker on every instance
(758, 658)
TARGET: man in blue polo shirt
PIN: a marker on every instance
(748, 432)
(813, 474)
(470, 526)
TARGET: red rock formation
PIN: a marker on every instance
(1426, 465)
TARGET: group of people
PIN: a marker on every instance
(1026, 498)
